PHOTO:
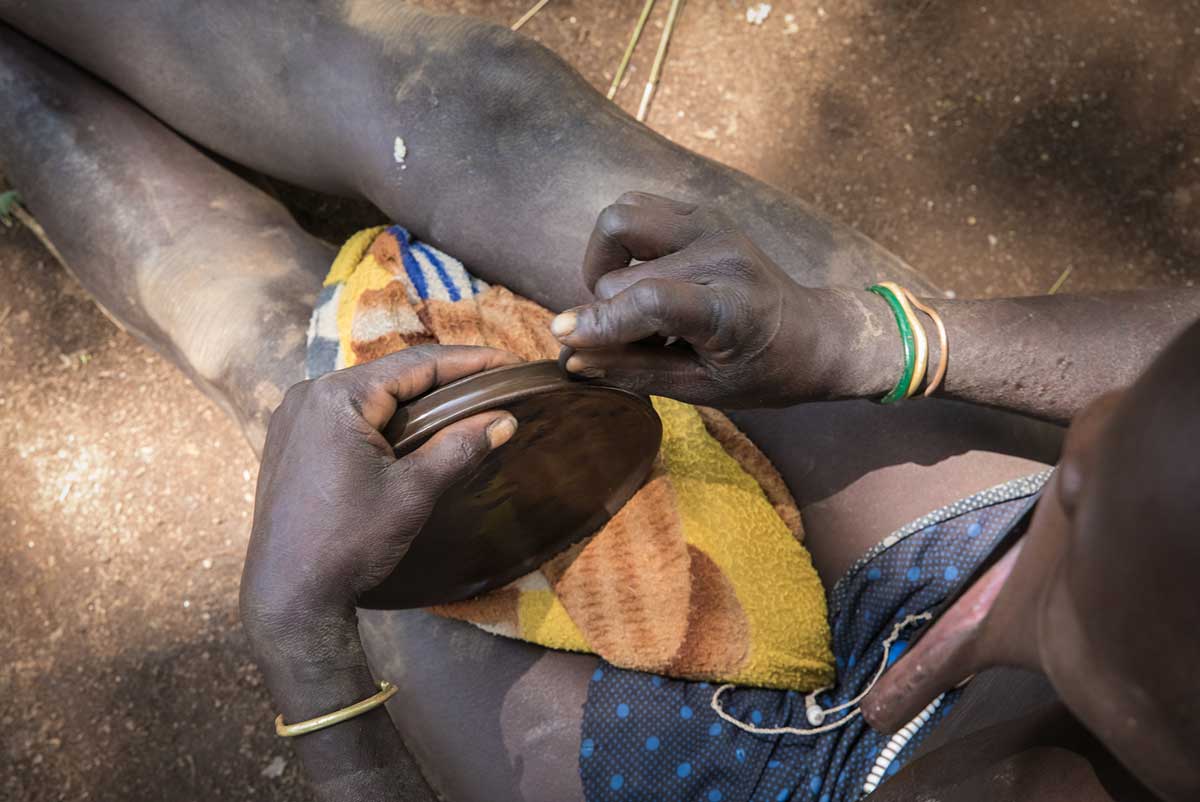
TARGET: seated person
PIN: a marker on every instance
(217, 276)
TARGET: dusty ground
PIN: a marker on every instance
(991, 145)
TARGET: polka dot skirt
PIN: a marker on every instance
(650, 738)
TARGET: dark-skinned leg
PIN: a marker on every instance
(317, 93)
(203, 268)
(493, 121)
(216, 276)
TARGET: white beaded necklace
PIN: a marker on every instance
(898, 741)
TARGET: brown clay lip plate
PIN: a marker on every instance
(581, 450)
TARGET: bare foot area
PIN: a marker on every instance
(993, 145)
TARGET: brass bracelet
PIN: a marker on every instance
(943, 343)
(386, 691)
(921, 343)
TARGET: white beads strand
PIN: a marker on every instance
(897, 743)
(813, 712)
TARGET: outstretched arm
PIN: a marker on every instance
(1049, 355)
(749, 336)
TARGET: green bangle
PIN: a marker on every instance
(906, 335)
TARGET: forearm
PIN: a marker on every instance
(359, 760)
(1044, 356)
(335, 513)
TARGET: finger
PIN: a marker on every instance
(649, 307)
(377, 387)
(684, 265)
(450, 455)
(648, 228)
(679, 266)
(646, 370)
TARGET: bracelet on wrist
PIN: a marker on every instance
(386, 691)
(914, 340)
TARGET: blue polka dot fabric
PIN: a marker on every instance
(651, 738)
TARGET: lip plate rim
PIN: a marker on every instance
(480, 392)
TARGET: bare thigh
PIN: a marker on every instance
(859, 470)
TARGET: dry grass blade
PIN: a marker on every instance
(1062, 279)
(528, 15)
(30, 222)
(659, 58)
(633, 40)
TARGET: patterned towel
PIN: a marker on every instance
(701, 575)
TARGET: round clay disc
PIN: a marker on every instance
(580, 451)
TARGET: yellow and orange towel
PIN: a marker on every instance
(701, 575)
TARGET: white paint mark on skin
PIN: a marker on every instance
(400, 152)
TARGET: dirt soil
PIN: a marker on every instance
(994, 145)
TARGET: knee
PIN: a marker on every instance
(498, 80)
(519, 76)
(233, 300)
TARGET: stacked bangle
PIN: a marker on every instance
(921, 343)
(916, 344)
(943, 343)
(906, 336)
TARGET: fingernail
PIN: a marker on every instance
(564, 324)
(576, 365)
(501, 431)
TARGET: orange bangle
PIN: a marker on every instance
(943, 343)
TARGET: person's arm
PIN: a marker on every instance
(1045, 356)
(360, 760)
(748, 336)
(334, 514)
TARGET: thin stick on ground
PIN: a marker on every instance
(633, 40)
(659, 57)
(1058, 285)
(30, 222)
(528, 15)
